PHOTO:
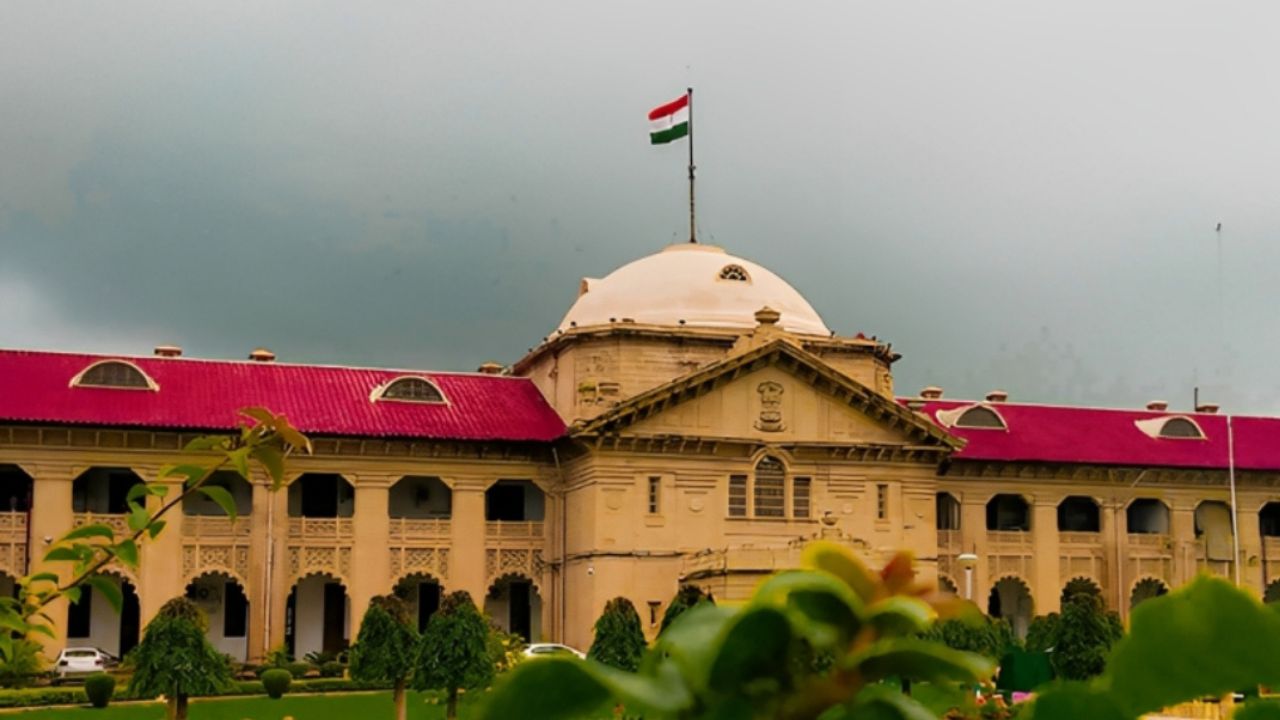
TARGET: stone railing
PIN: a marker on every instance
(408, 530)
(119, 523)
(320, 530)
(949, 541)
(1078, 539)
(514, 529)
(13, 543)
(1009, 541)
(1151, 543)
(215, 527)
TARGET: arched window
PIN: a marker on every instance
(410, 389)
(1079, 513)
(980, 416)
(1180, 427)
(1008, 513)
(735, 273)
(948, 511)
(114, 374)
(770, 490)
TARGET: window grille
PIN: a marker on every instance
(737, 496)
(412, 389)
(800, 497)
(770, 491)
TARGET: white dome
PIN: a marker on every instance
(700, 284)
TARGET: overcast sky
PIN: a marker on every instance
(1016, 194)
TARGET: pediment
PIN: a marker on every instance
(776, 394)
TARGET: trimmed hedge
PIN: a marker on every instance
(276, 682)
(99, 687)
(38, 697)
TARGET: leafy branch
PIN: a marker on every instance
(264, 439)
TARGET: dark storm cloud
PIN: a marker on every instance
(1016, 196)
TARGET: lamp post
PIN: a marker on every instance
(968, 561)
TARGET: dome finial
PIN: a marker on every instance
(768, 316)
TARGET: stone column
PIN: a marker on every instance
(1182, 530)
(467, 554)
(1111, 529)
(370, 557)
(257, 582)
(1250, 534)
(277, 579)
(1047, 592)
(51, 518)
(973, 534)
(160, 570)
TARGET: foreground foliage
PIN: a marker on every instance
(821, 641)
(384, 649)
(176, 659)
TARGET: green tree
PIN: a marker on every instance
(619, 640)
(1082, 638)
(686, 598)
(453, 653)
(976, 633)
(384, 648)
(175, 658)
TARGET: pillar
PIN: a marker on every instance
(1249, 531)
(1047, 592)
(467, 554)
(51, 518)
(1112, 530)
(159, 573)
(370, 557)
(973, 535)
(258, 582)
(277, 580)
(1182, 529)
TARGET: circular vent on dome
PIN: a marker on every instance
(736, 273)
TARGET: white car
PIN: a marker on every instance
(538, 650)
(81, 662)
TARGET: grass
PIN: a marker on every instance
(300, 707)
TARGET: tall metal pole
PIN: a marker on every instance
(1231, 477)
(693, 232)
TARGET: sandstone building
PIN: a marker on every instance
(691, 419)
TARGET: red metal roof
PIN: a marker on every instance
(322, 400)
(1101, 436)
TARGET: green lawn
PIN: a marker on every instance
(358, 706)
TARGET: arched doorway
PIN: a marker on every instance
(1080, 586)
(422, 593)
(1272, 593)
(15, 490)
(1008, 513)
(514, 605)
(1079, 514)
(1011, 600)
(317, 616)
(103, 490)
(223, 600)
(418, 497)
(321, 495)
(1147, 516)
(1145, 589)
(92, 622)
(514, 501)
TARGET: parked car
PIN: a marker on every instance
(81, 662)
(537, 650)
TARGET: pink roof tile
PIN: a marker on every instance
(323, 400)
(1101, 436)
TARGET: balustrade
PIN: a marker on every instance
(324, 530)
(1077, 538)
(119, 523)
(949, 540)
(214, 527)
(408, 530)
(514, 529)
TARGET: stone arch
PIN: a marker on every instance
(1145, 588)
(1269, 519)
(1147, 516)
(422, 593)
(318, 614)
(222, 596)
(1079, 513)
(103, 490)
(1081, 584)
(92, 621)
(515, 500)
(947, 586)
(1010, 599)
(420, 497)
(514, 604)
(1272, 592)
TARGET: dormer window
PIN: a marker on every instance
(980, 416)
(1180, 427)
(409, 389)
(734, 273)
(114, 374)
(1176, 427)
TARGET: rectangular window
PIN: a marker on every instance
(800, 497)
(235, 611)
(655, 494)
(78, 614)
(882, 502)
(737, 496)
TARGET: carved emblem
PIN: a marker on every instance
(770, 407)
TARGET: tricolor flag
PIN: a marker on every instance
(669, 122)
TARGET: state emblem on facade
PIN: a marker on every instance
(770, 407)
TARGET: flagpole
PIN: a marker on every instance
(693, 233)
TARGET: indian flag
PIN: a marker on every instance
(669, 122)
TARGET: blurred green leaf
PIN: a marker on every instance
(205, 442)
(556, 688)
(841, 562)
(222, 497)
(90, 531)
(755, 647)
(901, 615)
(918, 659)
(155, 527)
(127, 552)
(1205, 639)
(691, 643)
(880, 702)
(271, 459)
(109, 589)
(138, 518)
(827, 609)
(1258, 710)
(1074, 701)
(64, 553)
(239, 459)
